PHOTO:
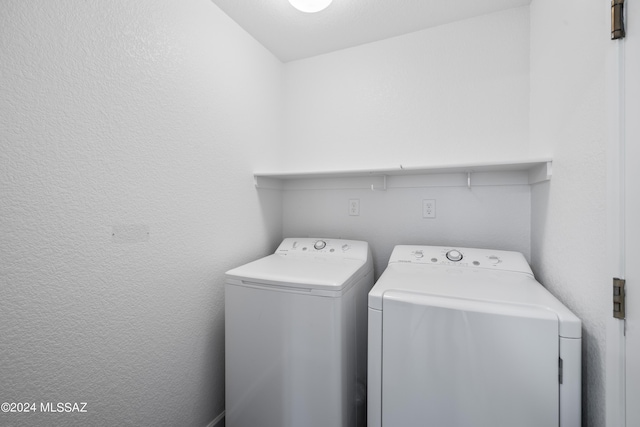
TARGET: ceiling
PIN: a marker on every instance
(290, 34)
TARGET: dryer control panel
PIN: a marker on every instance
(460, 257)
(339, 248)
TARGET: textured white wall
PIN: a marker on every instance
(568, 122)
(148, 112)
(157, 112)
(454, 93)
(451, 94)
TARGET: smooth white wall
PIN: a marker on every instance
(568, 122)
(481, 217)
(151, 113)
(451, 94)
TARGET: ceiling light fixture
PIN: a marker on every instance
(310, 6)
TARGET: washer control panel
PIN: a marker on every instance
(454, 255)
(340, 248)
(460, 257)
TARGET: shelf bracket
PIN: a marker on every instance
(384, 185)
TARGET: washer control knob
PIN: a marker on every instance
(454, 255)
(320, 244)
(418, 254)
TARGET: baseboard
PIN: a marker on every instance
(217, 421)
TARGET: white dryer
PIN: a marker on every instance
(296, 336)
(469, 338)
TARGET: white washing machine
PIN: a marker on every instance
(296, 336)
(469, 338)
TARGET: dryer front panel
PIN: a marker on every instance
(464, 363)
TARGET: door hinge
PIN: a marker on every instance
(617, 19)
(618, 298)
(559, 370)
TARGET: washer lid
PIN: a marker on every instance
(319, 272)
(472, 284)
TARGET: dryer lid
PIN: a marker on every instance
(502, 287)
(460, 362)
